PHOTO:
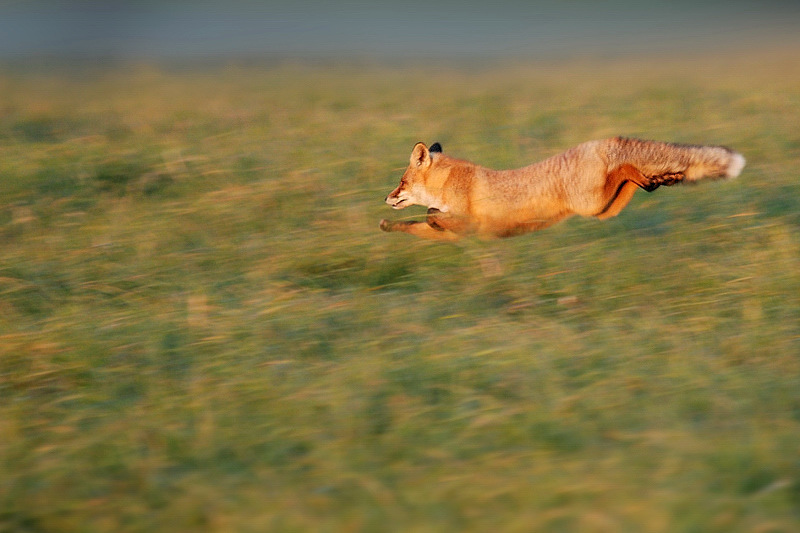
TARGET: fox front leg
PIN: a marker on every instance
(448, 222)
(420, 229)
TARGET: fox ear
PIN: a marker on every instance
(420, 155)
(436, 148)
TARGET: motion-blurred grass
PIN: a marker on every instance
(202, 329)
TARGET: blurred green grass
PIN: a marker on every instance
(202, 329)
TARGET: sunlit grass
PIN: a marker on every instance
(202, 328)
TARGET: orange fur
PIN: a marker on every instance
(596, 178)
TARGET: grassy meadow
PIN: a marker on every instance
(203, 329)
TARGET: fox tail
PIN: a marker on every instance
(663, 163)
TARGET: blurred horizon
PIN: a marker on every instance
(176, 30)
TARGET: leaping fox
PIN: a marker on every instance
(596, 178)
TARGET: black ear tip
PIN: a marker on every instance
(435, 147)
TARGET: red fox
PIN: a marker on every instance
(596, 178)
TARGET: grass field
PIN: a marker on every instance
(203, 329)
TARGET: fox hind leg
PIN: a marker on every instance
(621, 184)
(623, 195)
(668, 178)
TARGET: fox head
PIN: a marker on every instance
(413, 188)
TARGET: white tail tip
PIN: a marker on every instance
(736, 165)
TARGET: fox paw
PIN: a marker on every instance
(385, 225)
(669, 178)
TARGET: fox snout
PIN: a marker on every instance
(394, 202)
(394, 199)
